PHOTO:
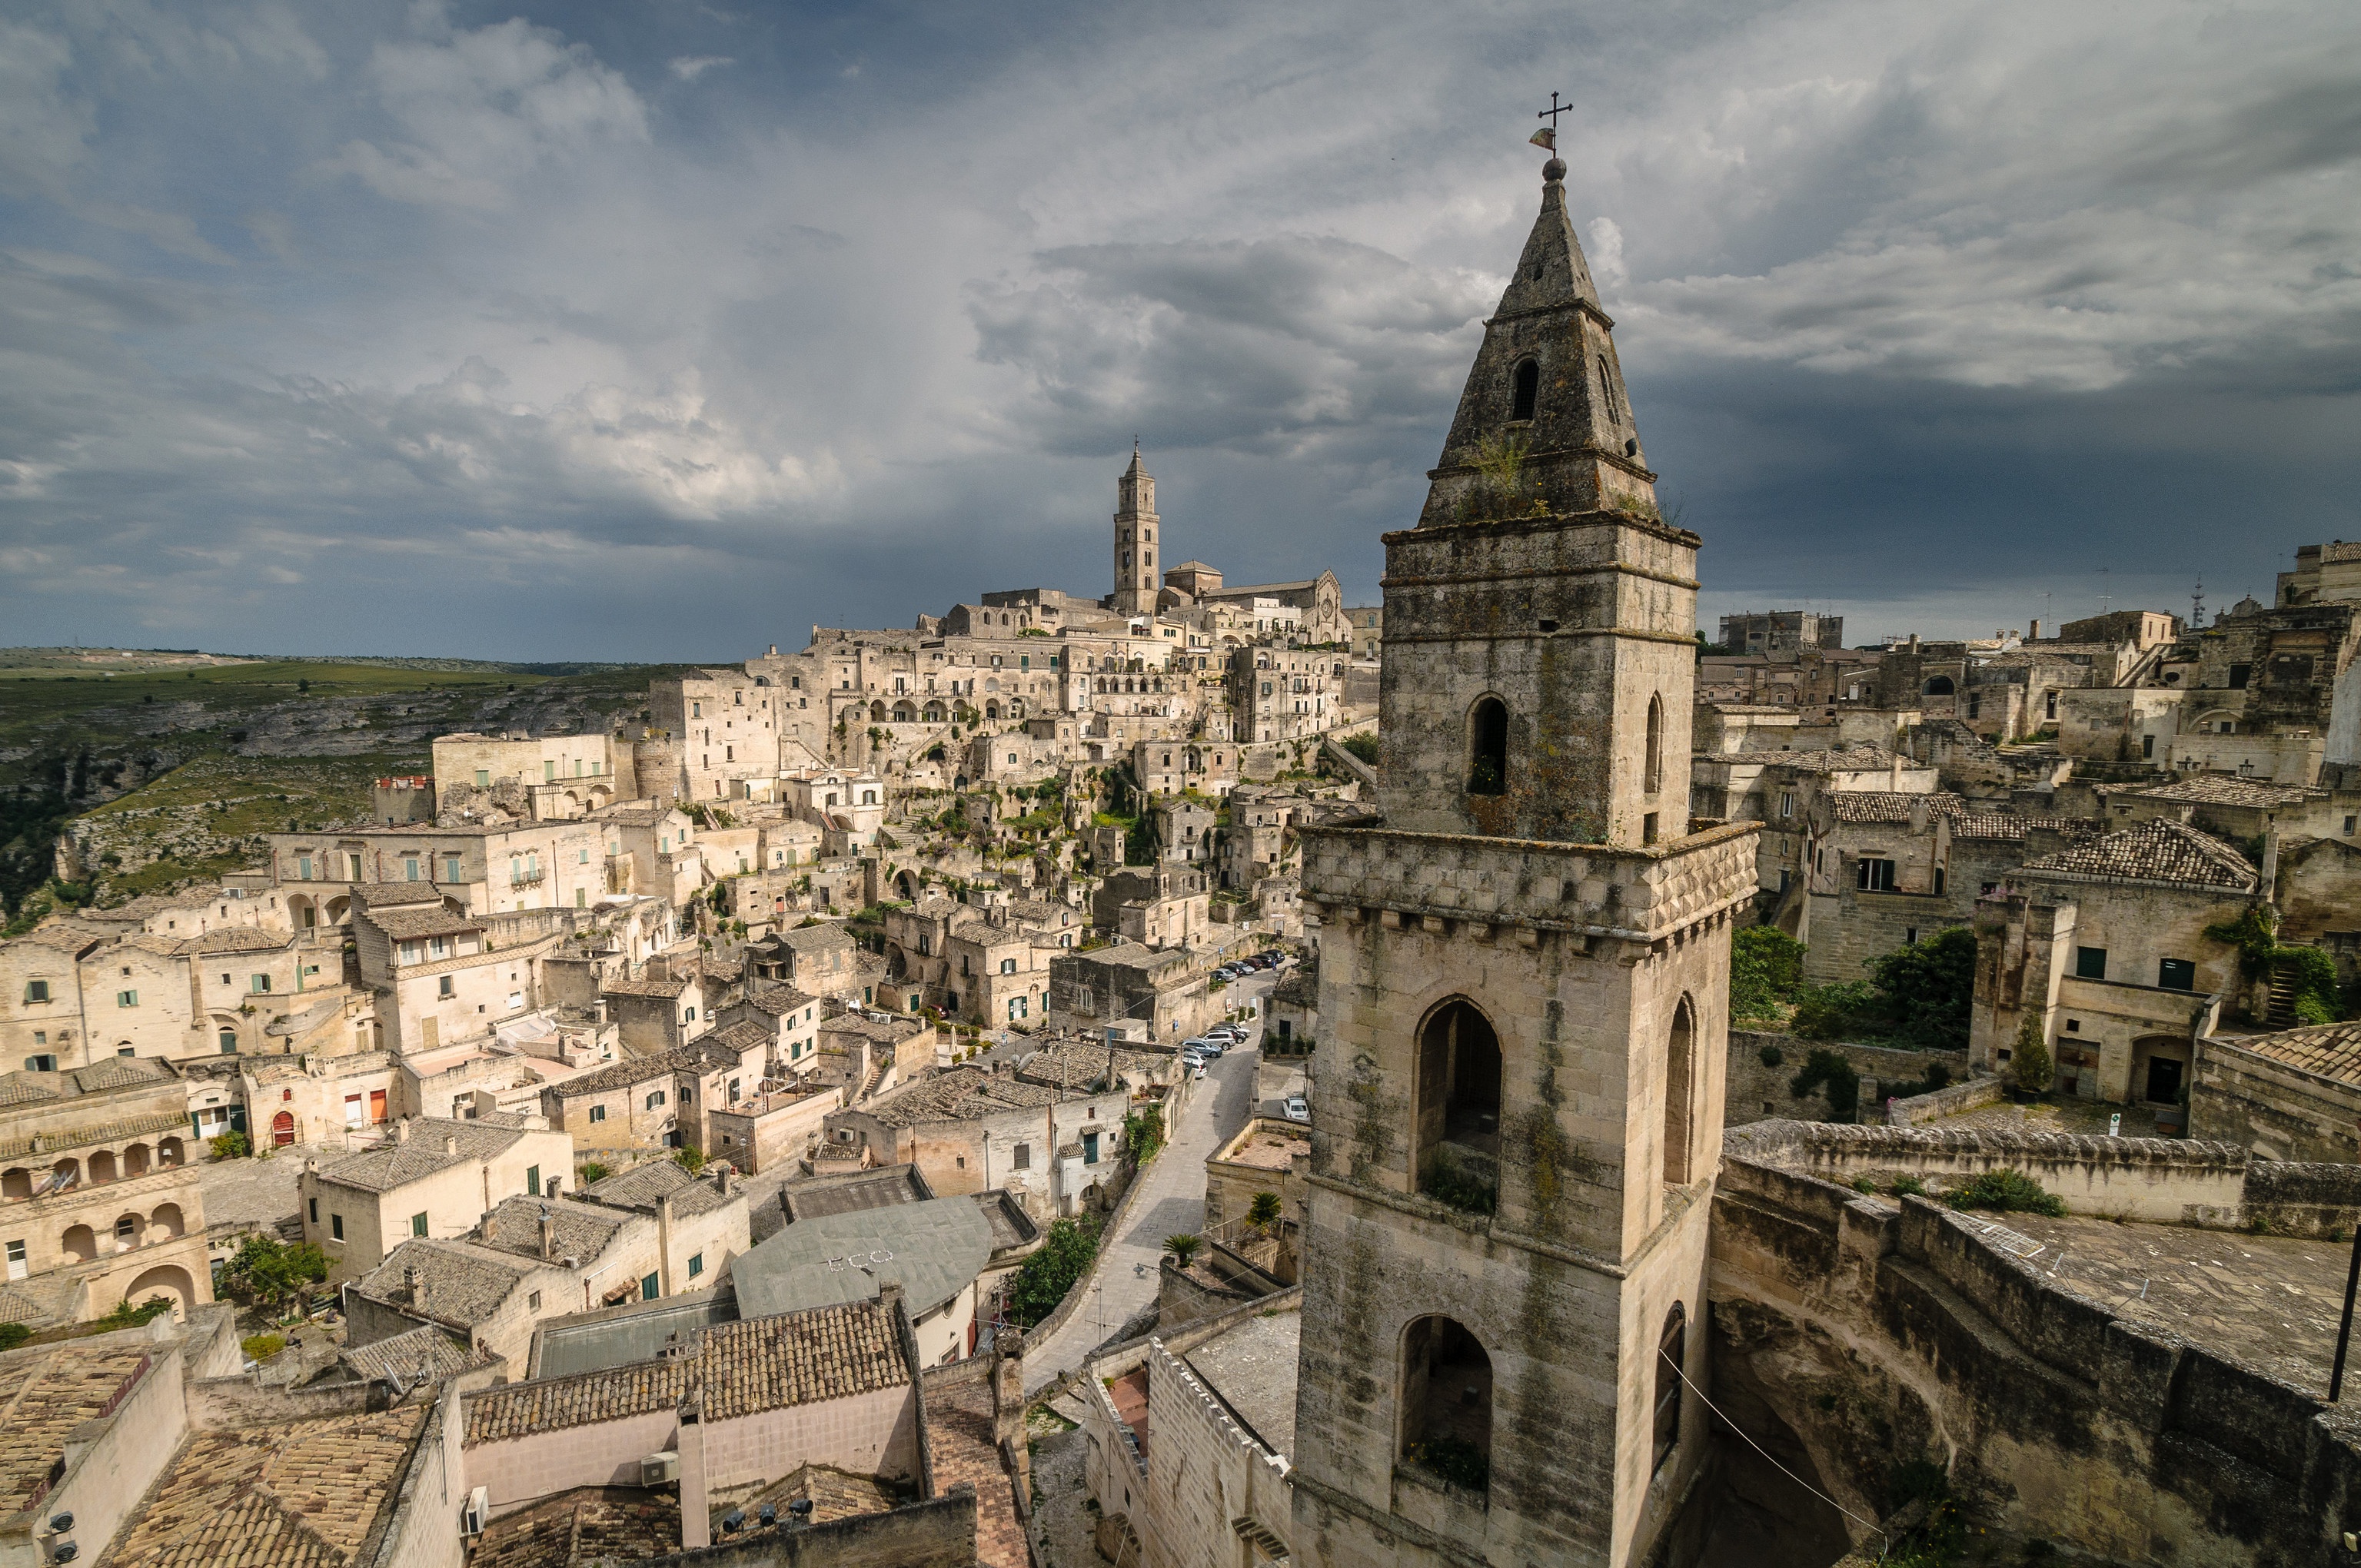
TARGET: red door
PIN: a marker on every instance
(282, 1128)
(377, 1105)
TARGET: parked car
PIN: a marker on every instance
(1230, 1032)
(1201, 1046)
(1295, 1108)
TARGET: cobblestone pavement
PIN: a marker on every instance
(2268, 1302)
(1172, 1199)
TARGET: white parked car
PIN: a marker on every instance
(1296, 1107)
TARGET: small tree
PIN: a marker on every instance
(1264, 1211)
(1183, 1247)
(689, 1157)
(2031, 1063)
(267, 1271)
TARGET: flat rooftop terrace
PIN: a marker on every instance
(2267, 1303)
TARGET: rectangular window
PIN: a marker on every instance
(1874, 875)
(1090, 1148)
(532, 1181)
(302, 868)
(410, 868)
(1025, 1157)
(336, 1227)
(483, 778)
(356, 1111)
(597, 1112)
(655, 1099)
(450, 868)
(1786, 803)
(2239, 673)
(2091, 964)
(2176, 974)
(126, 999)
(353, 866)
(648, 1288)
(548, 771)
(38, 989)
(261, 984)
(696, 1263)
(17, 1266)
(443, 986)
(417, 1224)
(313, 1204)
(532, 1302)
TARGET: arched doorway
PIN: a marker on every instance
(135, 1160)
(15, 1182)
(1938, 686)
(2159, 1069)
(166, 1222)
(1487, 747)
(1457, 1159)
(282, 1129)
(1446, 1403)
(168, 1280)
(169, 1152)
(102, 1167)
(81, 1242)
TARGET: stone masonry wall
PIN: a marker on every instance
(1758, 1091)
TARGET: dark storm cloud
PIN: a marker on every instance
(664, 331)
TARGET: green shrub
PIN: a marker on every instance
(590, 1170)
(266, 1270)
(1362, 746)
(1838, 1011)
(689, 1157)
(1906, 1185)
(1457, 1461)
(1771, 1055)
(1042, 1282)
(2009, 1192)
(126, 1316)
(1143, 1133)
(14, 1334)
(1928, 987)
(262, 1347)
(1840, 1078)
(1766, 968)
(1445, 1183)
(2030, 1064)
(230, 1146)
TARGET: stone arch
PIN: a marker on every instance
(340, 911)
(166, 1279)
(169, 1220)
(1457, 1152)
(877, 711)
(302, 911)
(1527, 379)
(81, 1242)
(908, 881)
(991, 710)
(1672, 1359)
(136, 1160)
(905, 713)
(282, 1129)
(2161, 1070)
(1937, 686)
(1680, 1093)
(102, 1165)
(1445, 1401)
(68, 1171)
(1487, 746)
(15, 1182)
(170, 1151)
(130, 1230)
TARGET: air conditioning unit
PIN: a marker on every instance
(658, 1468)
(472, 1516)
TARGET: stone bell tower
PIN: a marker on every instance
(1137, 581)
(1524, 996)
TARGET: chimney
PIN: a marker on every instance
(491, 1227)
(451, 1143)
(2033, 633)
(723, 1178)
(402, 1131)
(413, 1285)
(548, 1233)
(549, 1187)
(2268, 887)
(1914, 642)
(889, 1294)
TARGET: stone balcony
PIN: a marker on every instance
(1637, 895)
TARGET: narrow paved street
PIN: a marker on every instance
(1171, 1201)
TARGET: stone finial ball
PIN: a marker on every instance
(1554, 169)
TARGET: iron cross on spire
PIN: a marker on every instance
(1553, 112)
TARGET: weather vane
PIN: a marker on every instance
(1547, 135)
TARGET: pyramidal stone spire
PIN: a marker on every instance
(1545, 425)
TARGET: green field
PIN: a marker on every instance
(160, 753)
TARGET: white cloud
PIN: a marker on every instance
(689, 67)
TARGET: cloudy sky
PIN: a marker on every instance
(665, 329)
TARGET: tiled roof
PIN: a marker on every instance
(664, 988)
(397, 1163)
(744, 1036)
(424, 1355)
(1860, 758)
(414, 921)
(959, 1426)
(2004, 825)
(2156, 852)
(2330, 1050)
(743, 1367)
(645, 1185)
(375, 895)
(777, 1000)
(961, 1093)
(276, 1494)
(800, 1358)
(63, 1140)
(2221, 789)
(237, 939)
(576, 1229)
(1891, 806)
(936, 1249)
(626, 1074)
(589, 1524)
(43, 1398)
(463, 1284)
